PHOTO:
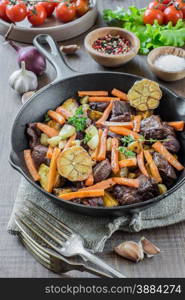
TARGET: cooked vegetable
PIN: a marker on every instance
(123, 172)
(103, 145)
(65, 113)
(92, 133)
(52, 175)
(129, 162)
(50, 132)
(119, 94)
(84, 100)
(66, 131)
(54, 124)
(49, 152)
(135, 146)
(70, 105)
(137, 123)
(153, 168)
(141, 164)
(96, 152)
(56, 117)
(70, 141)
(109, 144)
(109, 201)
(124, 131)
(90, 180)
(34, 60)
(31, 165)
(23, 81)
(54, 141)
(162, 188)
(62, 144)
(44, 139)
(126, 181)
(82, 194)
(159, 147)
(145, 94)
(102, 99)
(132, 175)
(128, 125)
(61, 191)
(94, 115)
(92, 93)
(114, 156)
(74, 164)
(178, 125)
(43, 173)
(105, 184)
(106, 114)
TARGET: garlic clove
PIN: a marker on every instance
(26, 96)
(70, 49)
(149, 248)
(130, 250)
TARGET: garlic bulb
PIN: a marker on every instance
(23, 80)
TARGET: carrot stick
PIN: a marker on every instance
(128, 125)
(178, 125)
(103, 145)
(105, 184)
(124, 131)
(102, 99)
(82, 194)
(106, 113)
(119, 94)
(90, 180)
(66, 114)
(50, 132)
(53, 170)
(96, 152)
(159, 147)
(49, 152)
(153, 168)
(56, 117)
(141, 164)
(114, 156)
(31, 165)
(137, 123)
(128, 162)
(69, 142)
(92, 93)
(126, 181)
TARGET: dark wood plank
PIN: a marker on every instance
(15, 261)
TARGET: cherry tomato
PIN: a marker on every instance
(151, 15)
(157, 5)
(181, 5)
(82, 6)
(16, 12)
(172, 14)
(3, 16)
(65, 12)
(49, 7)
(37, 15)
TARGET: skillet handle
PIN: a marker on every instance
(53, 55)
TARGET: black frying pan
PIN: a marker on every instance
(67, 83)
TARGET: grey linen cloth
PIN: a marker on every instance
(97, 230)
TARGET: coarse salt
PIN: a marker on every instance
(170, 63)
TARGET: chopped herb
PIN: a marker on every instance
(127, 140)
(78, 120)
(47, 118)
(142, 139)
(87, 138)
(126, 152)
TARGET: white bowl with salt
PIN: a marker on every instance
(167, 63)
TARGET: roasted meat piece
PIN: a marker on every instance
(152, 128)
(39, 155)
(172, 144)
(165, 169)
(33, 135)
(121, 118)
(100, 106)
(121, 108)
(102, 171)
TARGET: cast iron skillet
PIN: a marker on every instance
(67, 83)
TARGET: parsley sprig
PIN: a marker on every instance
(126, 152)
(78, 120)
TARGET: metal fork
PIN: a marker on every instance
(58, 236)
(51, 260)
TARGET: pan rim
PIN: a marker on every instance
(140, 205)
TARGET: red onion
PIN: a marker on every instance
(34, 60)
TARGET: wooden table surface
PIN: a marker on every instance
(15, 261)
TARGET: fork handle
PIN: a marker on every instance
(97, 261)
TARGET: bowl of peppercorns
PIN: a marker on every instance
(111, 46)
